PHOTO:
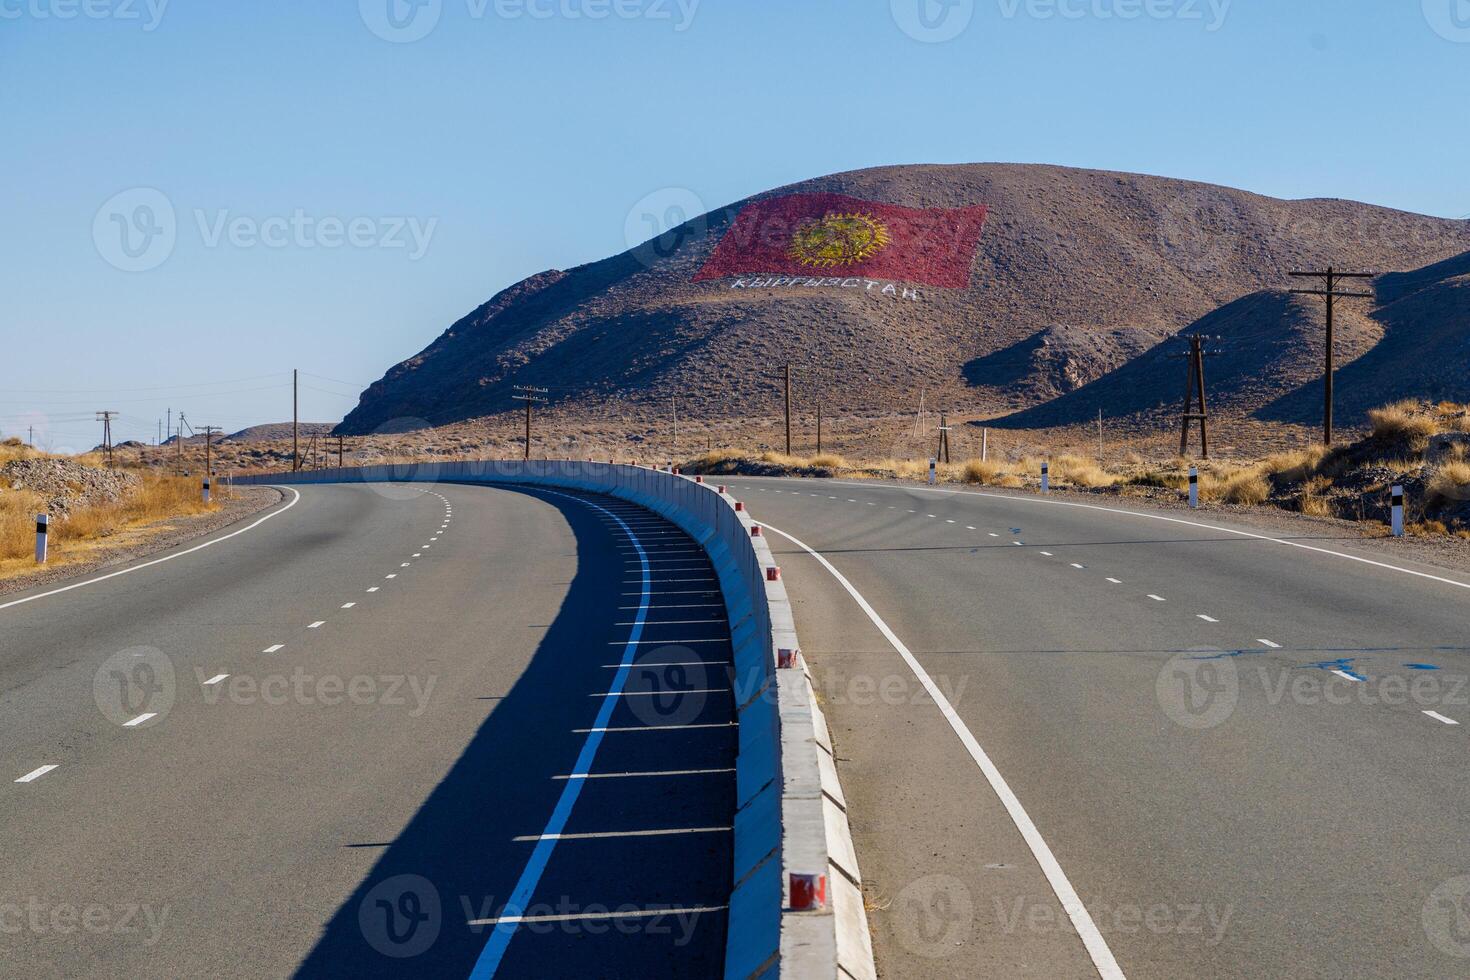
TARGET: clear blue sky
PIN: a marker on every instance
(516, 137)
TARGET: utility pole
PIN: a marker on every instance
(339, 451)
(31, 436)
(179, 465)
(530, 396)
(1330, 294)
(106, 419)
(1194, 382)
(788, 408)
(209, 433)
(943, 454)
(1099, 436)
(295, 423)
(819, 428)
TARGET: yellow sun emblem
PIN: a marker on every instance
(838, 239)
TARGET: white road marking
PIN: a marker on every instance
(417, 554)
(1157, 598)
(140, 719)
(373, 589)
(1439, 717)
(273, 648)
(1348, 677)
(635, 775)
(1097, 946)
(969, 528)
(682, 910)
(928, 515)
(348, 605)
(1018, 544)
(296, 498)
(992, 534)
(35, 774)
(215, 679)
(1116, 581)
(394, 575)
(656, 728)
(951, 522)
(317, 625)
(1177, 520)
(495, 946)
(1075, 565)
(670, 832)
(1047, 554)
(1273, 646)
(405, 564)
(1208, 619)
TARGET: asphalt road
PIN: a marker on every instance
(373, 736)
(1244, 758)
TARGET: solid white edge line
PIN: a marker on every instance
(35, 774)
(1092, 938)
(1172, 520)
(158, 561)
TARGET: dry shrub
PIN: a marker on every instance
(1246, 487)
(1294, 467)
(829, 461)
(1450, 482)
(1427, 528)
(981, 471)
(1409, 421)
(155, 498)
(1081, 472)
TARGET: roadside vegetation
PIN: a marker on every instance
(1422, 445)
(90, 507)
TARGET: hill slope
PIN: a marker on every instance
(1076, 272)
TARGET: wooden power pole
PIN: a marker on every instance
(106, 419)
(1330, 293)
(943, 454)
(819, 428)
(788, 408)
(295, 424)
(209, 433)
(530, 396)
(1194, 391)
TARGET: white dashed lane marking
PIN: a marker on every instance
(1208, 619)
(140, 719)
(35, 774)
(317, 625)
(1157, 598)
(273, 648)
(348, 605)
(1116, 581)
(1268, 643)
(373, 589)
(215, 679)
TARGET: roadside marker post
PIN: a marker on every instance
(1046, 477)
(1194, 487)
(206, 489)
(933, 472)
(1398, 511)
(43, 527)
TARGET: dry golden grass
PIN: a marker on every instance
(1409, 421)
(1449, 483)
(1082, 472)
(1246, 487)
(982, 471)
(155, 498)
(828, 461)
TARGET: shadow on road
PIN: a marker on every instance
(421, 910)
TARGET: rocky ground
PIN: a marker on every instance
(64, 484)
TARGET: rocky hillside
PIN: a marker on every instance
(1076, 274)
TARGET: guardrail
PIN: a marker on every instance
(796, 910)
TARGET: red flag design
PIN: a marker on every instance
(832, 234)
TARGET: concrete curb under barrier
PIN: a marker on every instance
(791, 821)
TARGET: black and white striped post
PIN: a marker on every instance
(1397, 503)
(206, 489)
(1046, 477)
(43, 527)
(1194, 487)
(933, 472)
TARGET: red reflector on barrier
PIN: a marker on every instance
(788, 659)
(739, 505)
(808, 892)
(722, 488)
(773, 574)
(699, 479)
(755, 530)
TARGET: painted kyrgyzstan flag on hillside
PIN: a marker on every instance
(835, 235)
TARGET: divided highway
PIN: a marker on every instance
(1233, 757)
(388, 731)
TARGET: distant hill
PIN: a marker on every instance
(279, 430)
(1077, 274)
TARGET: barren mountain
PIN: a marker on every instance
(1076, 273)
